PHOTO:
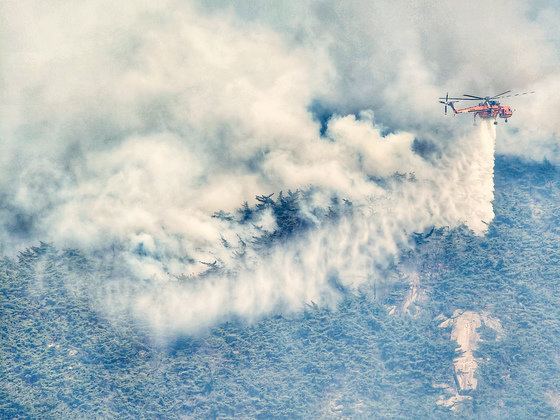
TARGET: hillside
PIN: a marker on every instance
(382, 354)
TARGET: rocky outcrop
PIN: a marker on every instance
(414, 295)
(464, 326)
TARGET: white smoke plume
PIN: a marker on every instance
(393, 57)
(353, 251)
(126, 127)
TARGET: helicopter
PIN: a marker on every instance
(489, 107)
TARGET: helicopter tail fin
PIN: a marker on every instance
(452, 106)
(448, 103)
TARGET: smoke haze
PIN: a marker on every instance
(126, 127)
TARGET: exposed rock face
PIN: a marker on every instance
(415, 294)
(464, 326)
(554, 399)
(452, 401)
(464, 332)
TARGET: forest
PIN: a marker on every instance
(60, 357)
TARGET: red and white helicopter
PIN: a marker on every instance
(488, 108)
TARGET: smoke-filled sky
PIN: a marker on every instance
(127, 125)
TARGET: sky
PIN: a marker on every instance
(125, 126)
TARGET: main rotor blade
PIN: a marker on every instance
(500, 94)
(472, 96)
(518, 94)
(459, 99)
(524, 93)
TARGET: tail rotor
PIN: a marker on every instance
(446, 102)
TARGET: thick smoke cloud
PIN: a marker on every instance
(125, 127)
(395, 57)
(353, 252)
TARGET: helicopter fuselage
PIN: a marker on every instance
(485, 110)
